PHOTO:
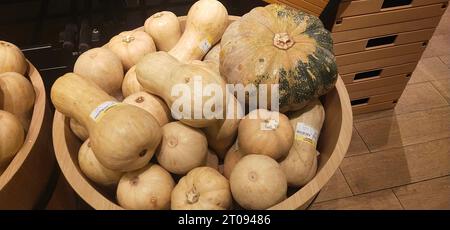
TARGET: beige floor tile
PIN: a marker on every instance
(336, 188)
(430, 69)
(396, 167)
(432, 194)
(444, 25)
(439, 45)
(405, 129)
(418, 97)
(381, 200)
(357, 145)
(446, 60)
(443, 86)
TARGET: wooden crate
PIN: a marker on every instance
(377, 73)
(374, 107)
(372, 43)
(392, 97)
(352, 8)
(389, 17)
(376, 83)
(314, 7)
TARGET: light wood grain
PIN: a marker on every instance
(374, 83)
(446, 60)
(439, 45)
(357, 145)
(396, 167)
(405, 129)
(333, 144)
(24, 181)
(369, 109)
(382, 200)
(428, 195)
(430, 69)
(444, 24)
(443, 86)
(421, 96)
(335, 188)
(387, 71)
(372, 91)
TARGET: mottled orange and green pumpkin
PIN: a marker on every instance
(277, 44)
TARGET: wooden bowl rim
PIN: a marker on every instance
(96, 200)
(34, 129)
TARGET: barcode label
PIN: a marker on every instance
(205, 45)
(101, 109)
(306, 133)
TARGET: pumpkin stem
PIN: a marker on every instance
(158, 15)
(128, 39)
(192, 196)
(283, 41)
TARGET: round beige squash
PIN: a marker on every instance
(183, 148)
(17, 96)
(202, 189)
(267, 133)
(164, 28)
(79, 130)
(131, 46)
(148, 188)
(12, 137)
(152, 104)
(12, 59)
(233, 156)
(94, 170)
(103, 67)
(257, 182)
(130, 83)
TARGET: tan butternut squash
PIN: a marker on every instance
(164, 27)
(182, 149)
(130, 83)
(212, 160)
(257, 182)
(123, 137)
(146, 189)
(300, 165)
(94, 170)
(202, 189)
(78, 130)
(12, 59)
(205, 24)
(152, 104)
(11, 137)
(267, 133)
(213, 54)
(233, 156)
(181, 85)
(102, 66)
(17, 96)
(131, 46)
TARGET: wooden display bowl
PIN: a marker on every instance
(24, 182)
(333, 144)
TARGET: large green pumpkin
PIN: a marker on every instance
(277, 44)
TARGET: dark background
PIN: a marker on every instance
(52, 33)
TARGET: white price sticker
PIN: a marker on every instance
(306, 133)
(205, 45)
(101, 109)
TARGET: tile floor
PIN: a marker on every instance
(400, 158)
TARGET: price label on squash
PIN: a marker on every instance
(205, 45)
(306, 133)
(98, 112)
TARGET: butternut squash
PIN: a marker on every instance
(212, 160)
(130, 83)
(11, 137)
(233, 156)
(267, 133)
(17, 96)
(103, 67)
(205, 24)
(12, 59)
(123, 137)
(202, 189)
(146, 189)
(78, 130)
(213, 54)
(131, 46)
(300, 165)
(94, 170)
(179, 86)
(165, 30)
(257, 182)
(152, 104)
(182, 149)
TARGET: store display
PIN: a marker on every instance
(103, 67)
(286, 47)
(165, 30)
(205, 25)
(131, 46)
(257, 182)
(192, 148)
(12, 59)
(202, 188)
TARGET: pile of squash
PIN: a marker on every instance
(152, 160)
(16, 102)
